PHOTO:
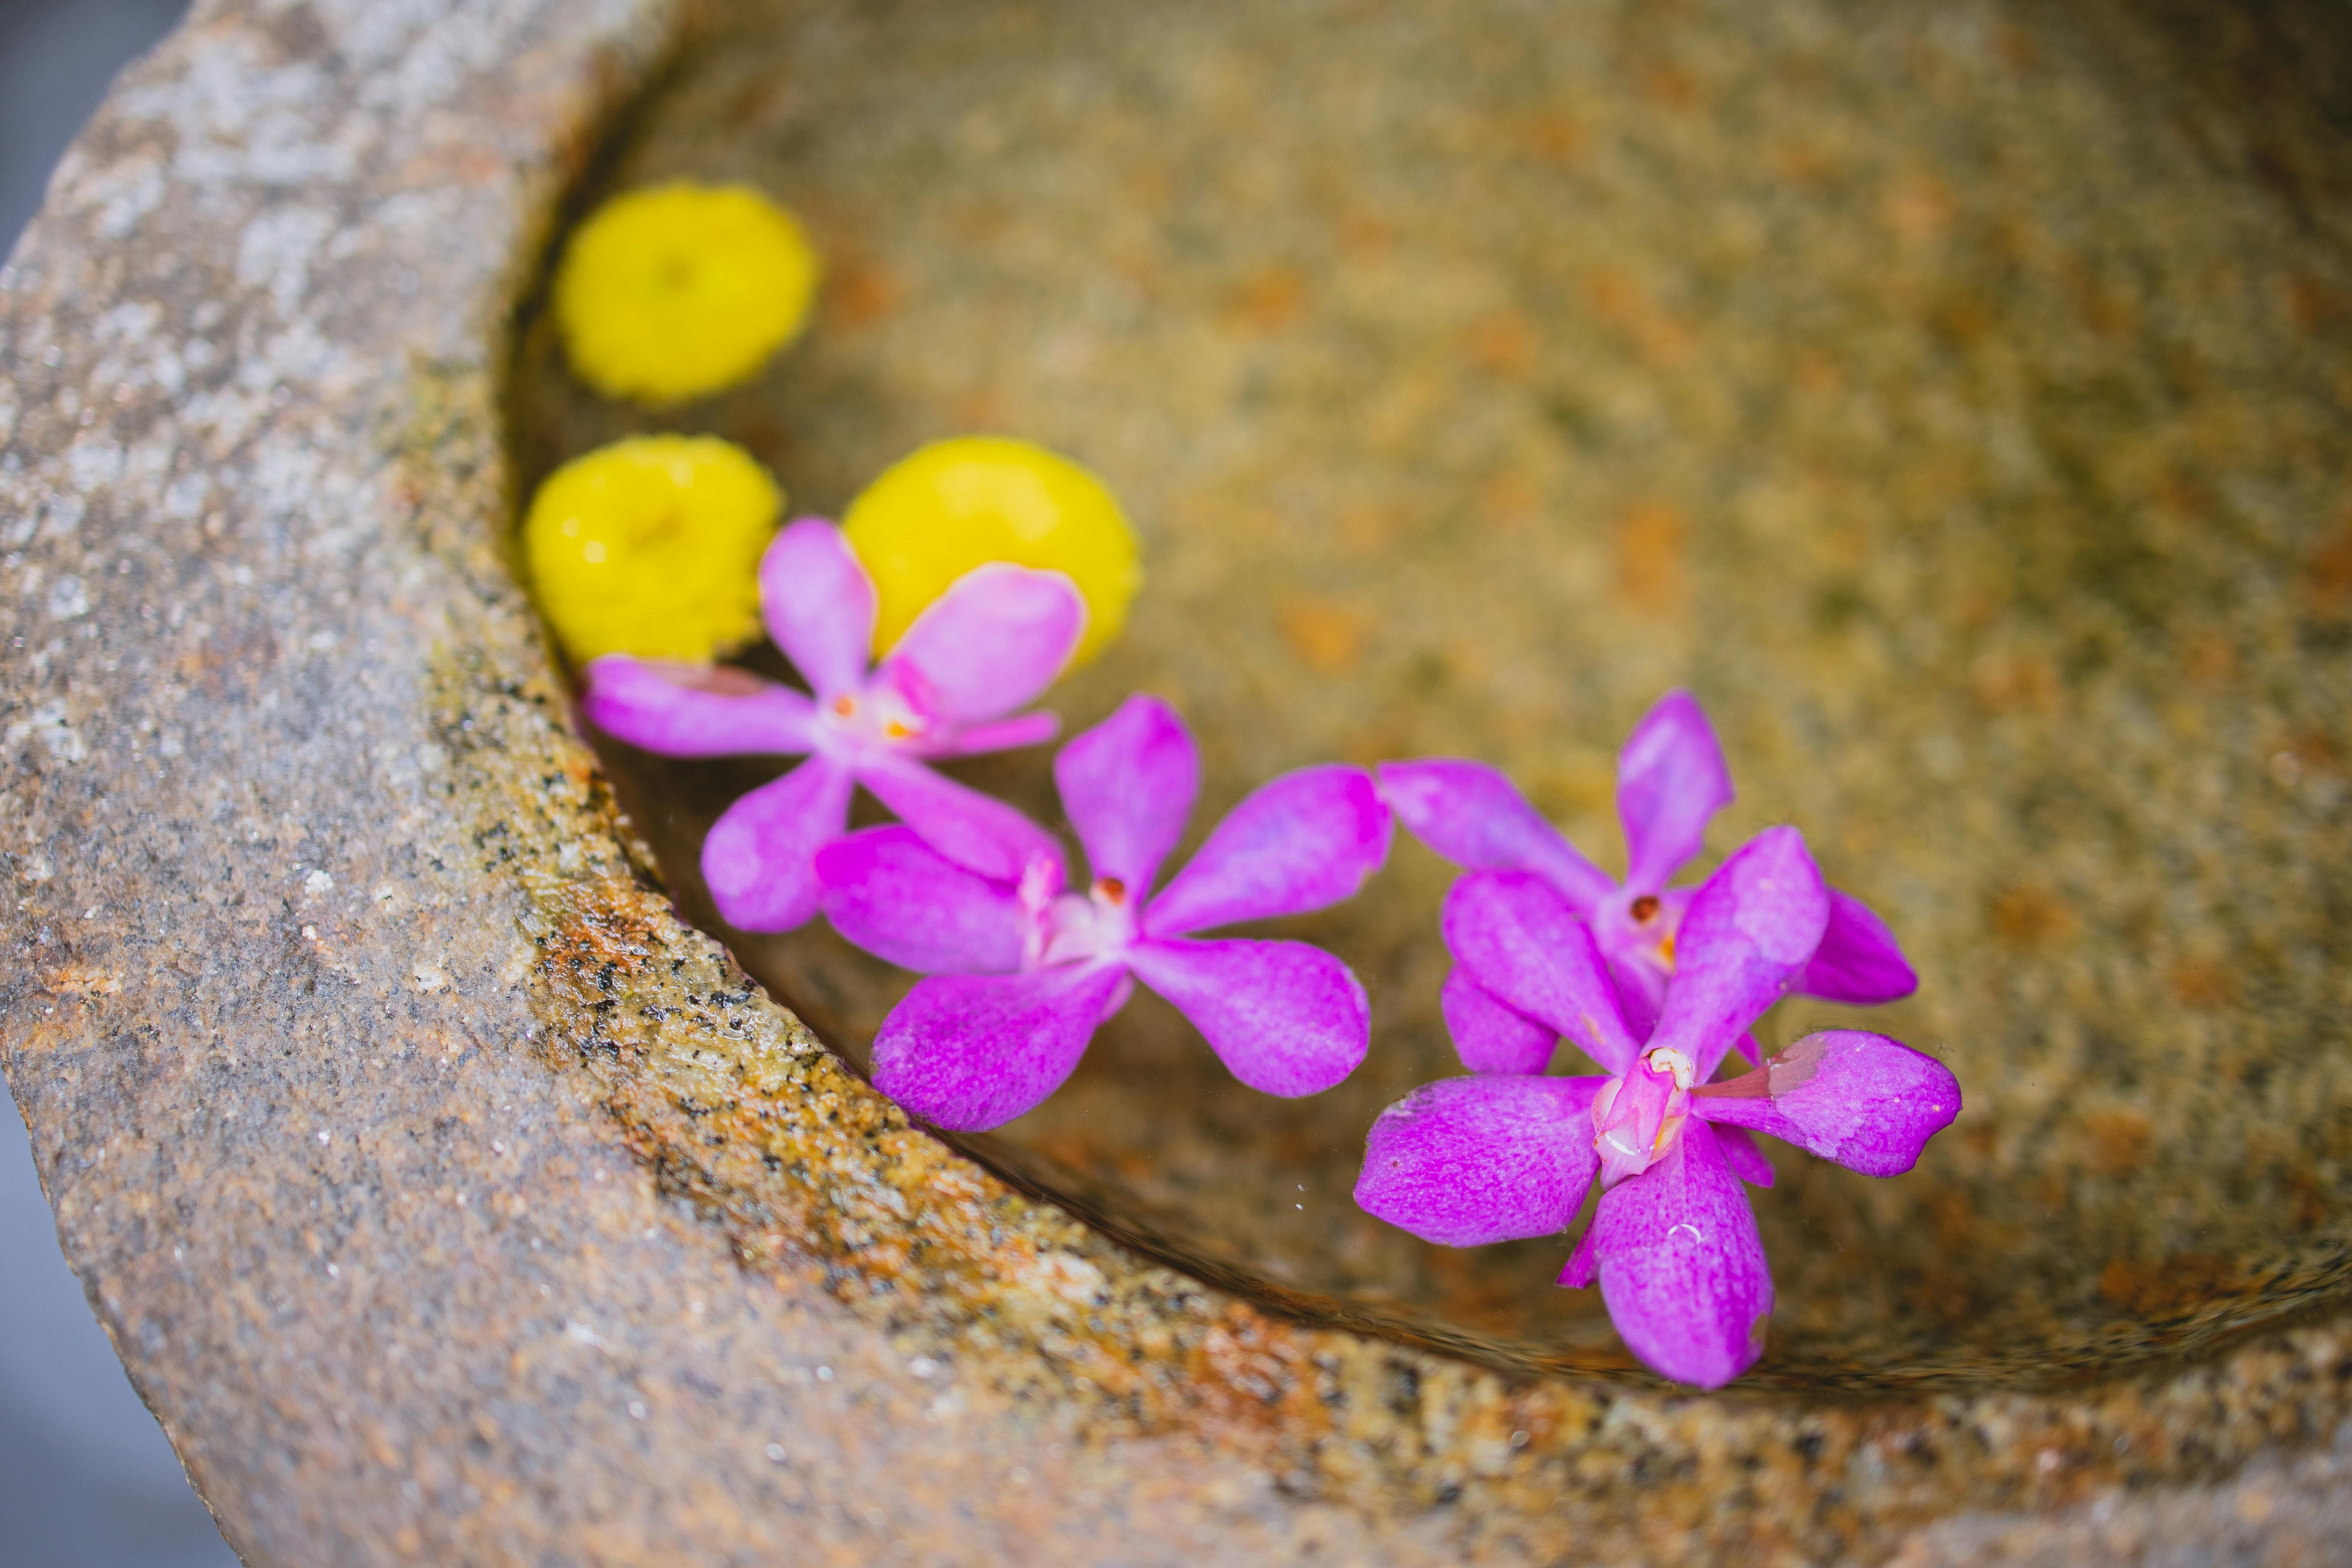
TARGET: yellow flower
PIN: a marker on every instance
(676, 290)
(652, 546)
(958, 504)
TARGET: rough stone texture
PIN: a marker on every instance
(450, 1201)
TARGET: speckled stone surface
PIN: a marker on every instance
(451, 1201)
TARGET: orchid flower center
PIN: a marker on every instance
(878, 715)
(1637, 1116)
(1094, 926)
(1638, 930)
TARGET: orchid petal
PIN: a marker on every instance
(967, 1052)
(1127, 786)
(1670, 778)
(1640, 989)
(1301, 842)
(1866, 1102)
(1284, 1017)
(992, 641)
(819, 605)
(976, 831)
(892, 894)
(759, 858)
(1859, 962)
(694, 710)
(1749, 933)
(1680, 1265)
(1489, 1035)
(1739, 1151)
(1475, 816)
(1584, 1266)
(1521, 943)
(1467, 1161)
(1002, 735)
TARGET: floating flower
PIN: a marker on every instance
(1022, 969)
(1674, 1243)
(651, 546)
(679, 289)
(989, 645)
(935, 514)
(1670, 778)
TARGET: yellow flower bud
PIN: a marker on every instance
(958, 504)
(652, 546)
(676, 290)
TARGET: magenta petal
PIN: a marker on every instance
(1284, 1017)
(1866, 1102)
(1301, 842)
(819, 605)
(1127, 786)
(1640, 990)
(1466, 1160)
(894, 896)
(1682, 1267)
(692, 710)
(1475, 817)
(993, 640)
(1004, 736)
(1584, 1266)
(1739, 1151)
(976, 831)
(967, 1052)
(1670, 778)
(1751, 929)
(1858, 962)
(1489, 1036)
(1522, 944)
(759, 859)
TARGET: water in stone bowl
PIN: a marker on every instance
(1954, 398)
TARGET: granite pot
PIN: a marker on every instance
(451, 1198)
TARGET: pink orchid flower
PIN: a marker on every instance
(1670, 778)
(1674, 1243)
(989, 644)
(1022, 969)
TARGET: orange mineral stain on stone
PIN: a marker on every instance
(1509, 499)
(2120, 1141)
(1549, 136)
(1505, 343)
(2015, 679)
(1619, 299)
(2327, 575)
(2200, 984)
(1269, 300)
(2027, 917)
(81, 980)
(1327, 635)
(863, 293)
(1917, 208)
(1650, 558)
(2210, 660)
(1669, 86)
(2180, 1283)
(2313, 304)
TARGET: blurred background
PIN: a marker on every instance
(86, 1478)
